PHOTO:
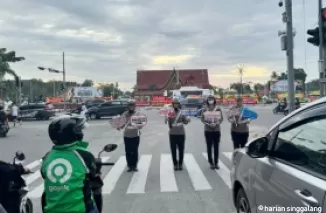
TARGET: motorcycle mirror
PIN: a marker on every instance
(20, 156)
(110, 147)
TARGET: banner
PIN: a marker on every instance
(118, 122)
(139, 120)
(212, 117)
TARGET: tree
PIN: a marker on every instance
(5, 59)
(237, 87)
(274, 75)
(88, 83)
(220, 92)
(258, 87)
(299, 74)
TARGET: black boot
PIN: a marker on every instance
(135, 169)
(212, 166)
(176, 167)
(129, 169)
(217, 166)
(180, 167)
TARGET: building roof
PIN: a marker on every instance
(161, 78)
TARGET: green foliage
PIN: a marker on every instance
(87, 83)
(5, 59)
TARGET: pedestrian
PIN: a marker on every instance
(131, 138)
(14, 112)
(239, 126)
(212, 117)
(176, 122)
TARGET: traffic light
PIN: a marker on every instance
(315, 36)
(62, 87)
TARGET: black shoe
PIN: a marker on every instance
(176, 168)
(212, 166)
(180, 167)
(129, 169)
(135, 169)
(217, 166)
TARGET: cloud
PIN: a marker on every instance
(108, 40)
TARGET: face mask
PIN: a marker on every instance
(211, 102)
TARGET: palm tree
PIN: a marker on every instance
(5, 59)
(274, 75)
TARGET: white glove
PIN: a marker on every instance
(212, 125)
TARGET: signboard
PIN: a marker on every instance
(139, 120)
(118, 122)
(82, 92)
(212, 117)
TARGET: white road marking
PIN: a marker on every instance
(167, 177)
(223, 172)
(197, 177)
(138, 181)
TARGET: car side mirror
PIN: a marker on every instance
(258, 148)
(20, 156)
(110, 147)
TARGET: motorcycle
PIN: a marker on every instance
(97, 183)
(279, 109)
(286, 110)
(3, 130)
(18, 185)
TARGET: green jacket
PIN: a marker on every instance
(67, 171)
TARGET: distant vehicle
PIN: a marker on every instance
(191, 106)
(186, 91)
(93, 103)
(35, 111)
(106, 109)
(286, 167)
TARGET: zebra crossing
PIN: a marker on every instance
(167, 180)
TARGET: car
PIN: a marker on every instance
(285, 169)
(191, 106)
(106, 109)
(93, 103)
(35, 111)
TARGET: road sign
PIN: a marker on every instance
(323, 80)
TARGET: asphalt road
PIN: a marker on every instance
(155, 188)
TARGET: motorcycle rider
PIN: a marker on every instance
(131, 137)
(3, 117)
(177, 133)
(212, 131)
(10, 182)
(68, 169)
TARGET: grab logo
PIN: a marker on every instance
(59, 170)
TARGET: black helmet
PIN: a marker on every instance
(210, 97)
(67, 129)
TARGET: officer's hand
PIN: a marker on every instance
(212, 125)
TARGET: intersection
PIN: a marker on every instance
(156, 187)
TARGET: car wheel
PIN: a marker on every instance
(93, 116)
(242, 203)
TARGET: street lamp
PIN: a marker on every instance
(63, 86)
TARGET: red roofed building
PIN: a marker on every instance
(155, 82)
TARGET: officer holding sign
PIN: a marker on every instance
(212, 117)
(177, 134)
(131, 138)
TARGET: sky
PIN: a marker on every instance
(108, 40)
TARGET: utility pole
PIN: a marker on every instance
(287, 45)
(64, 80)
(321, 61)
(20, 91)
(240, 69)
(289, 53)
